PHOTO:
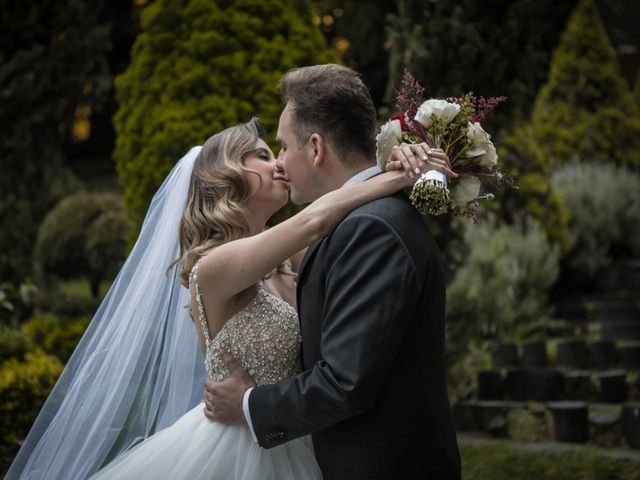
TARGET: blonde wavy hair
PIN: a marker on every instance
(219, 188)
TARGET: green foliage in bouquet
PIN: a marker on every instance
(53, 60)
(83, 236)
(586, 109)
(604, 206)
(24, 386)
(500, 290)
(200, 66)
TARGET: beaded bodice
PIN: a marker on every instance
(264, 338)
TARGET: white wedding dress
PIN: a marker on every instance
(264, 338)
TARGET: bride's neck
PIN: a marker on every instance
(256, 229)
(257, 222)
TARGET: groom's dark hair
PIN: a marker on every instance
(333, 101)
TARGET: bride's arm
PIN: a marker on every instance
(236, 265)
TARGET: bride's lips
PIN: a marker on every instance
(282, 179)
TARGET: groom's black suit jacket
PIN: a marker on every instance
(371, 299)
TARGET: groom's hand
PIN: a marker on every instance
(223, 400)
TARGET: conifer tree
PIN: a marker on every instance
(586, 110)
(636, 91)
(200, 66)
(496, 48)
(491, 48)
(53, 61)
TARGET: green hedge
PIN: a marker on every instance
(501, 461)
(603, 202)
(24, 386)
(83, 236)
(14, 343)
(500, 290)
(55, 335)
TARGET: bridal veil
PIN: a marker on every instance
(137, 368)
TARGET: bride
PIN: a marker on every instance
(138, 367)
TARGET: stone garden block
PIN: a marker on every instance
(568, 421)
(505, 355)
(517, 384)
(490, 385)
(631, 424)
(630, 356)
(534, 354)
(572, 354)
(613, 386)
(577, 385)
(603, 354)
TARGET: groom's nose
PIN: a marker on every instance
(280, 163)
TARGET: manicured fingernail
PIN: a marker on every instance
(411, 175)
(417, 170)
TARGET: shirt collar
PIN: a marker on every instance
(363, 175)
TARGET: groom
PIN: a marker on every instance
(371, 299)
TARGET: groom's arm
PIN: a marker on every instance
(372, 290)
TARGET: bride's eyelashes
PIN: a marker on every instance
(264, 155)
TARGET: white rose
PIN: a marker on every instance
(439, 108)
(390, 135)
(465, 189)
(481, 146)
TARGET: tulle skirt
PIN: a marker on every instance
(196, 448)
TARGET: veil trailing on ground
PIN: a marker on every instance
(137, 368)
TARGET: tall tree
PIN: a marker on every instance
(356, 29)
(53, 73)
(491, 48)
(586, 108)
(636, 90)
(198, 67)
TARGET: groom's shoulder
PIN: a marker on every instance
(392, 209)
(392, 215)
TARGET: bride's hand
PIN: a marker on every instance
(418, 158)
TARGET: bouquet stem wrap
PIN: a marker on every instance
(430, 195)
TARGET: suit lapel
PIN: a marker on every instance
(308, 254)
(301, 271)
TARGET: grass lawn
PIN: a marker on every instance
(502, 460)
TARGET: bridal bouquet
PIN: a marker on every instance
(453, 125)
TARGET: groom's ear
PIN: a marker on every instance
(318, 149)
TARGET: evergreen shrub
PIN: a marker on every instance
(83, 236)
(500, 289)
(198, 67)
(604, 206)
(55, 335)
(13, 343)
(24, 386)
(586, 109)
